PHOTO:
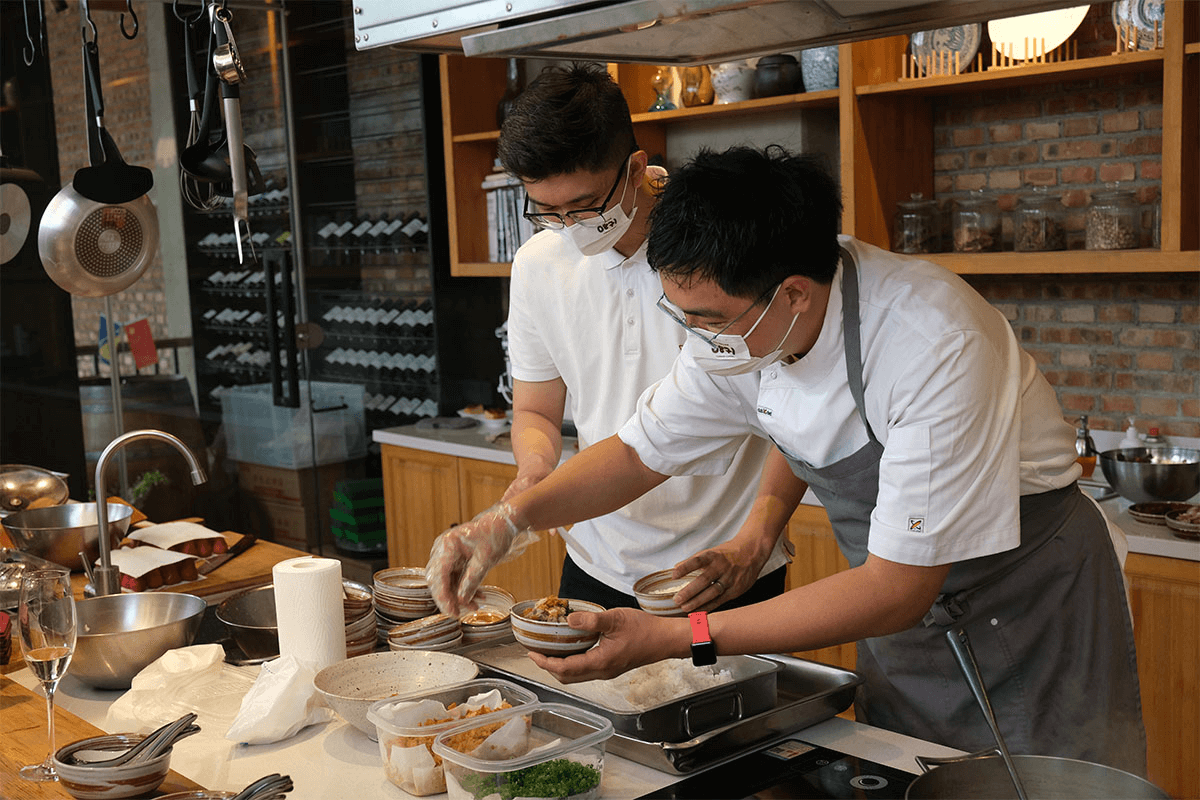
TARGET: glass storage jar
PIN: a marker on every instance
(1156, 224)
(916, 226)
(1038, 223)
(976, 225)
(1112, 221)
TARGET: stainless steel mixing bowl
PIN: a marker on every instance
(250, 617)
(121, 634)
(60, 533)
(1143, 474)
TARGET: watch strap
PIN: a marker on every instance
(704, 652)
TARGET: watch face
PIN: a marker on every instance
(704, 654)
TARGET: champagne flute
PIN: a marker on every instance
(46, 617)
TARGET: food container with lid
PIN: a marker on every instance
(1039, 223)
(1112, 221)
(406, 726)
(540, 750)
(917, 227)
(976, 225)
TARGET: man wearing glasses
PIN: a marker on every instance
(904, 401)
(583, 329)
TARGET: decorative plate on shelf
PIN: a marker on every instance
(1138, 18)
(1154, 513)
(1029, 35)
(961, 39)
(1186, 523)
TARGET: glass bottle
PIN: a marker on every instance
(976, 225)
(1085, 447)
(697, 88)
(916, 226)
(1038, 223)
(1112, 221)
(661, 83)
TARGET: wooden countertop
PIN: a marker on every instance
(25, 742)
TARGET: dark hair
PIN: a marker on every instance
(746, 219)
(565, 120)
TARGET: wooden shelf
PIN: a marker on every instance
(1192, 49)
(485, 136)
(1068, 261)
(823, 99)
(1083, 68)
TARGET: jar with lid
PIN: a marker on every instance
(976, 224)
(1038, 223)
(916, 226)
(1112, 221)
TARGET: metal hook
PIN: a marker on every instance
(183, 19)
(87, 14)
(129, 8)
(28, 55)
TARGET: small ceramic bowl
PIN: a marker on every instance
(552, 638)
(434, 629)
(108, 783)
(203, 794)
(655, 592)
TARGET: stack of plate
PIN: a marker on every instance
(360, 618)
(401, 594)
(434, 632)
(491, 620)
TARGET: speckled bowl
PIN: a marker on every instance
(108, 783)
(552, 638)
(655, 592)
(351, 686)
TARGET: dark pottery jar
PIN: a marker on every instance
(776, 75)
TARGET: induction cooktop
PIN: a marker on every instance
(791, 769)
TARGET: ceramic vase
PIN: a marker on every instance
(732, 81)
(819, 66)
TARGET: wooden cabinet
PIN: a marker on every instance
(1166, 625)
(886, 137)
(426, 493)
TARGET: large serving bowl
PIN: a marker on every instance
(61, 533)
(1143, 474)
(552, 638)
(135, 779)
(250, 617)
(351, 686)
(122, 634)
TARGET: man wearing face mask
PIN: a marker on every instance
(583, 328)
(903, 399)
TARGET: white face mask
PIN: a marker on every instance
(595, 236)
(728, 354)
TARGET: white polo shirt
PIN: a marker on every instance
(967, 421)
(593, 321)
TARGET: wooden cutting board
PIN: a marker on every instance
(25, 741)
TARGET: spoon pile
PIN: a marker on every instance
(154, 745)
(270, 787)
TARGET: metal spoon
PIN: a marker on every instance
(965, 656)
(269, 787)
(168, 733)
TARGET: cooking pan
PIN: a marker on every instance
(996, 774)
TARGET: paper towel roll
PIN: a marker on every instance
(308, 610)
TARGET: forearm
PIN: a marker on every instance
(536, 443)
(599, 480)
(779, 492)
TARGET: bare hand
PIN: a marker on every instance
(628, 638)
(725, 573)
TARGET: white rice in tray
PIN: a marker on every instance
(652, 685)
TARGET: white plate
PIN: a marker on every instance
(1012, 35)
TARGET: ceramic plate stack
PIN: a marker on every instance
(434, 632)
(360, 619)
(491, 620)
(401, 595)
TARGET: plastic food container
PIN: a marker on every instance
(544, 750)
(404, 743)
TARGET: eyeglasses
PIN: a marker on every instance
(709, 337)
(554, 221)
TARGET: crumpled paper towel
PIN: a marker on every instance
(281, 702)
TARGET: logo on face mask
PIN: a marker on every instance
(606, 225)
(722, 349)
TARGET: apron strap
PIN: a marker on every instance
(850, 329)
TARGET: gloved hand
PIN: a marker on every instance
(463, 555)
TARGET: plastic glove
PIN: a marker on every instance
(463, 555)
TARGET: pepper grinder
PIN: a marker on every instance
(1085, 448)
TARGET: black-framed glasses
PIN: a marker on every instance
(708, 337)
(554, 222)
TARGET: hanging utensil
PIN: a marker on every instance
(228, 65)
(199, 194)
(111, 180)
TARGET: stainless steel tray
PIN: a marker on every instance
(13, 564)
(752, 691)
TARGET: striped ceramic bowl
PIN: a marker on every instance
(655, 592)
(552, 638)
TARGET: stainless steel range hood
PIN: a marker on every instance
(657, 31)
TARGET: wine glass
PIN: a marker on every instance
(46, 617)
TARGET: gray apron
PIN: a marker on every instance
(1048, 620)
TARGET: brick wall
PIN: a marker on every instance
(1113, 346)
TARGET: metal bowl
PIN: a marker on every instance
(1144, 474)
(250, 617)
(61, 533)
(23, 486)
(121, 634)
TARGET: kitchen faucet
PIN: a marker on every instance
(106, 577)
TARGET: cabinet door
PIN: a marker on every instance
(1165, 599)
(535, 573)
(420, 492)
(817, 556)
